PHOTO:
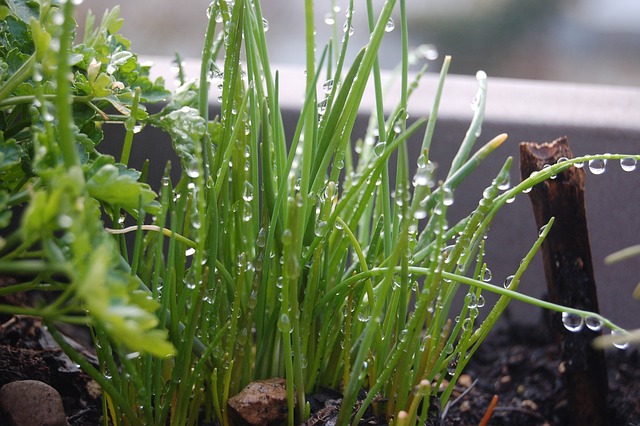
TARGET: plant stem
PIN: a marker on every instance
(63, 87)
(130, 125)
(16, 78)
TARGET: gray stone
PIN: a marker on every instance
(32, 403)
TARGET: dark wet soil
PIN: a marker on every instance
(518, 364)
(522, 366)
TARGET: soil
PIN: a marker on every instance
(518, 364)
(521, 364)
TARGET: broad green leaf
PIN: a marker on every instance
(119, 59)
(186, 127)
(11, 172)
(14, 34)
(105, 294)
(111, 20)
(25, 10)
(119, 186)
(48, 204)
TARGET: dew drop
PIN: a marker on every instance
(420, 213)
(619, 345)
(286, 237)
(364, 314)
(542, 230)
(447, 196)
(453, 365)
(261, 239)
(247, 214)
(327, 86)
(58, 19)
(347, 29)
(628, 164)
(210, 9)
(248, 191)
(322, 107)
(191, 169)
(329, 19)
(470, 300)
(379, 148)
(480, 302)
(572, 322)
(321, 228)
(424, 175)
(428, 51)
(265, 24)
(489, 193)
(486, 275)
(597, 166)
(504, 182)
(284, 324)
(390, 25)
(467, 324)
(593, 323)
(507, 281)
(190, 251)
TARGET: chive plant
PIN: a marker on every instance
(269, 256)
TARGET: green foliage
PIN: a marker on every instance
(269, 256)
(57, 203)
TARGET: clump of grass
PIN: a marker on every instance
(269, 256)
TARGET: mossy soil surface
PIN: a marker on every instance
(516, 363)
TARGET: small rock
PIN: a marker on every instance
(31, 402)
(465, 380)
(263, 402)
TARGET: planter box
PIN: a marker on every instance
(596, 119)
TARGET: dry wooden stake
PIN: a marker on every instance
(569, 273)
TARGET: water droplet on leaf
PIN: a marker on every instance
(390, 25)
(628, 164)
(572, 322)
(507, 281)
(329, 19)
(597, 166)
(619, 345)
(347, 29)
(447, 196)
(379, 148)
(593, 323)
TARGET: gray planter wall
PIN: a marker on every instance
(596, 119)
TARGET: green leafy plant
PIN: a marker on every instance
(270, 256)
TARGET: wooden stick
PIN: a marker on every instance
(489, 412)
(569, 273)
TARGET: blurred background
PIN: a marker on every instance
(586, 41)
